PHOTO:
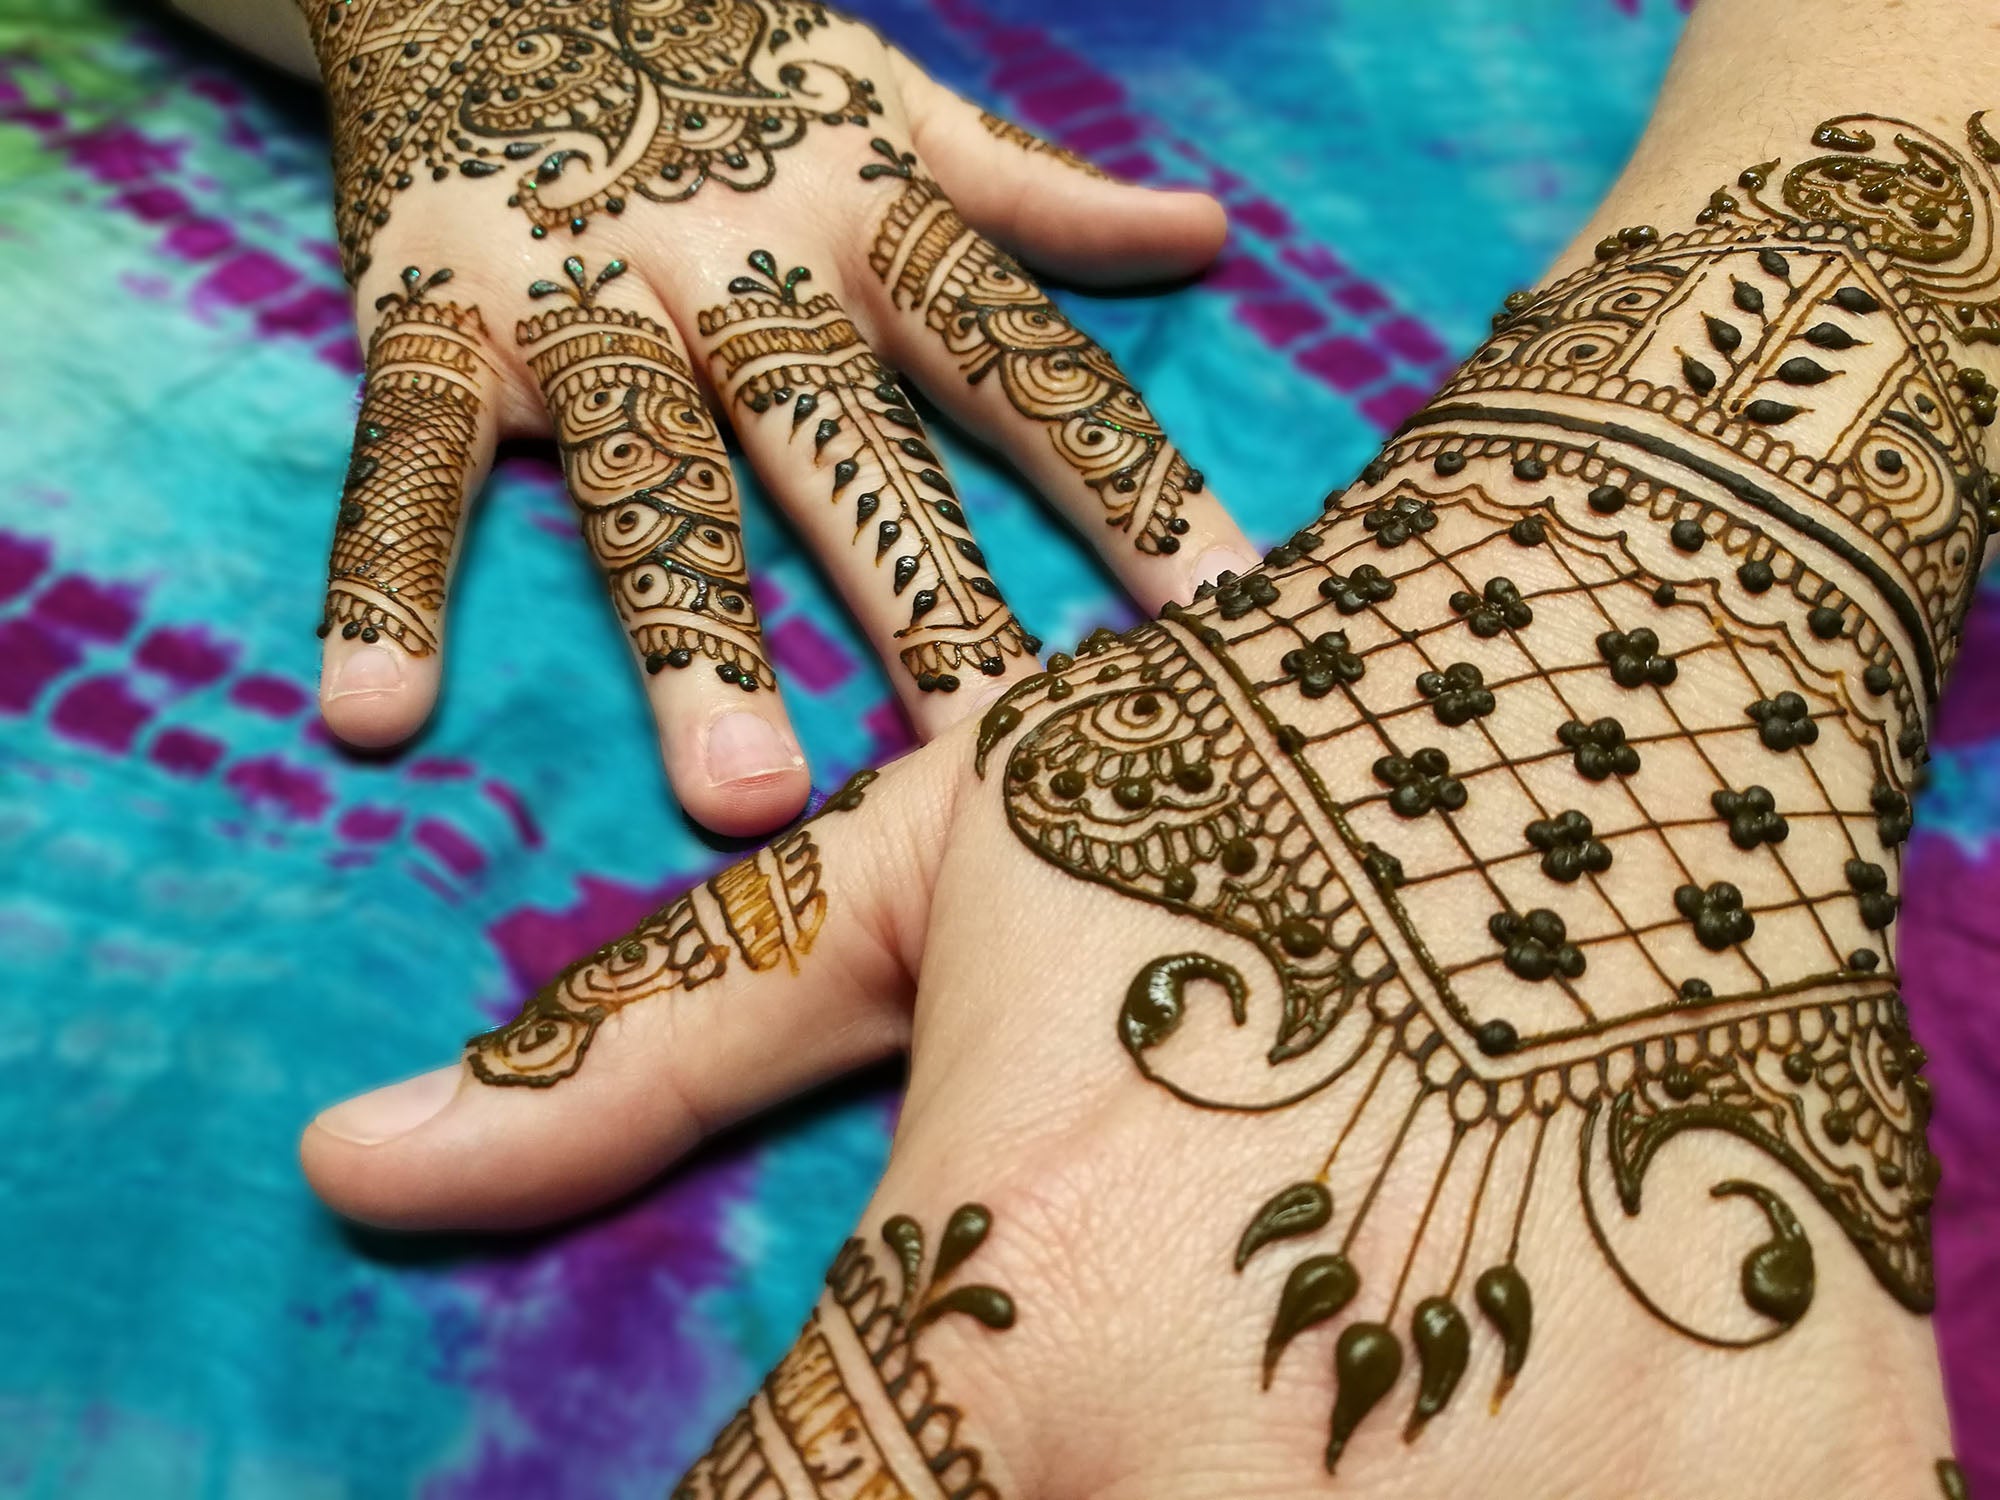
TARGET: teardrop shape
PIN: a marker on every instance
(1697, 375)
(843, 474)
(1316, 1290)
(1747, 297)
(1798, 370)
(906, 569)
(885, 537)
(865, 507)
(984, 1304)
(1770, 413)
(1829, 336)
(970, 552)
(1778, 1277)
(825, 433)
(1502, 1294)
(905, 1236)
(922, 602)
(804, 407)
(1443, 1340)
(1724, 336)
(1366, 1362)
(1299, 1209)
(965, 1233)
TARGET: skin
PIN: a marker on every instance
(1144, 1241)
(732, 755)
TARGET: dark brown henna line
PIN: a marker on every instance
(413, 456)
(853, 1409)
(995, 322)
(1950, 1477)
(1424, 1220)
(776, 353)
(1382, 1174)
(1805, 1053)
(1472, 1214)
(646, 467)
(1527, 1189)
(768, 910)
(616, 111)
(1034, 145)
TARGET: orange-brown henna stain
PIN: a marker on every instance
(780, 356)
(647, 468)
(1665, 581)
(1034, 145)
(766, 911)
(997, 324)
(854, 1410)
(412, 459)
(570, 109)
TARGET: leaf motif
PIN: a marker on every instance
(1299, 1209)
(1366, 1362)
(1316, 1290)
(983, 1304)
(965, 1233)
(1502, 1294)
(1444, 1341)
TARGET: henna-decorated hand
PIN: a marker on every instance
(1451, 962)
(590, 215)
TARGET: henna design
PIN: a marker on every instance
(995, 321)
(1951, 1480)
(777, 353)
(768, 910)
(1620, 609)
(647, 468)
(1027, 140)
(405, 489)
(853, 1410)
(585, 106)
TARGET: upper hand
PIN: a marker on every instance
(616, 219)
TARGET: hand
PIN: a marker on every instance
(587, 215)
(1451, 962)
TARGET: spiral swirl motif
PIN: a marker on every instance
(648, 471)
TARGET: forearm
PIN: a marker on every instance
(1554, 788)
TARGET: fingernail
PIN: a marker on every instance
(365, 672)
(1217, 560)
(370, 1119)
(743, 746)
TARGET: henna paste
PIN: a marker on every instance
(1611, 589)
(647, 468)
(413, 446)
(854, 1410)
(996, 323)
(574, 108)
(1034, 145)
(783, 358)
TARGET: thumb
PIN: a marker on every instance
(1054, 209)
(782, 971)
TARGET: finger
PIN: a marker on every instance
(1050, 206)
(786, 969)
(837, 442)
(997, 355)
(422, 446)
(648, 472)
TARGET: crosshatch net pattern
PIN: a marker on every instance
(1694, 737)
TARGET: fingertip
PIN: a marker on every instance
(739, 774)
(374, 696)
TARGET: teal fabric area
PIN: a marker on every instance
(212, 922)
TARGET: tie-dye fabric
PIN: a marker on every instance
(212, 922)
